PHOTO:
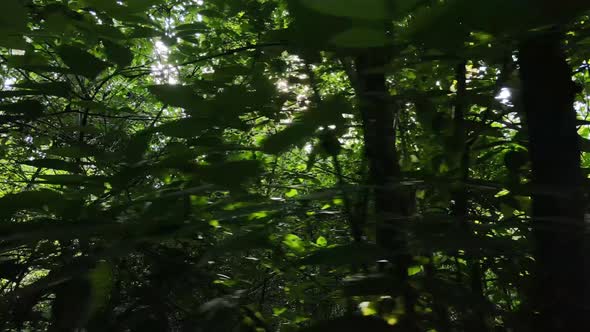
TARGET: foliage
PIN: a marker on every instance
(180, 165)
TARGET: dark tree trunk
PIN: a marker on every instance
(558, 221)
(476, 320)
(393, 205)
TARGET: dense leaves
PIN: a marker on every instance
(293, 165)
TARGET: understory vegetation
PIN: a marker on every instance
(294, 165)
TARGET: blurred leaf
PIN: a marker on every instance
(73, 151)
(366, 9)
(59, 89)
(72, 179)
(13, 22)
(291, 193)
(287, 138)
(142, 5)
(321, 241)
(584, 144)
(34, 200)
(184, 128)
(137, 147)
(372, 284)
(27, 108)
(106, 5)
(413, 270)
(360, 38)
(143, 32)
(231, 173)
(191, 29)
(350, 254)
(294, 242)
(255, 239)
(329, 112)
(53, 164)
(176, 95)
(118, 54)
(101, 283)
(81, 62)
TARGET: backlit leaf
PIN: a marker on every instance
(118, 54)
(366, 9)
(81, 62)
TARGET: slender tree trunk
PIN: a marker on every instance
(476, 321)
(558, 220)
(392, 206)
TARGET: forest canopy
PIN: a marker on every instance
(294, 165)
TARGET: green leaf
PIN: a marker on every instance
(105, 5)
(73, 151)
(256, 239)
(361, 38)
(291, 193)
(30, 58)
(321, 241)
(81, 62)
(278, 311)
(72, 179)
(143, 32)
(329, 112)
(287, 138)
(231, 173)
(36, 62)
(53, 164)
(13, 16)
(137, 147)
(413, 270)
(372, 284)
(142, 5)
(176, 95)
(118, 54)
(27, 108)
(184, 128)
(58, 89)
(294, 242)
(103, 31)
(19, 93)
(27, 200)
(193, 27)
(345, 255)
(584, 144)
(12, 40)
(123, 14)
(438, 26)
(365, 9)
(101, 283)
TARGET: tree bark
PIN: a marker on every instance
(392, 206)
(558, 219)
(476, 320)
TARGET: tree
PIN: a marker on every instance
(556, 173)
(286, 165)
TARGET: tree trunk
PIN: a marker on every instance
(476, 320)
(558, 220)
(392, 206)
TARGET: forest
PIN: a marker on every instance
(294, 165)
